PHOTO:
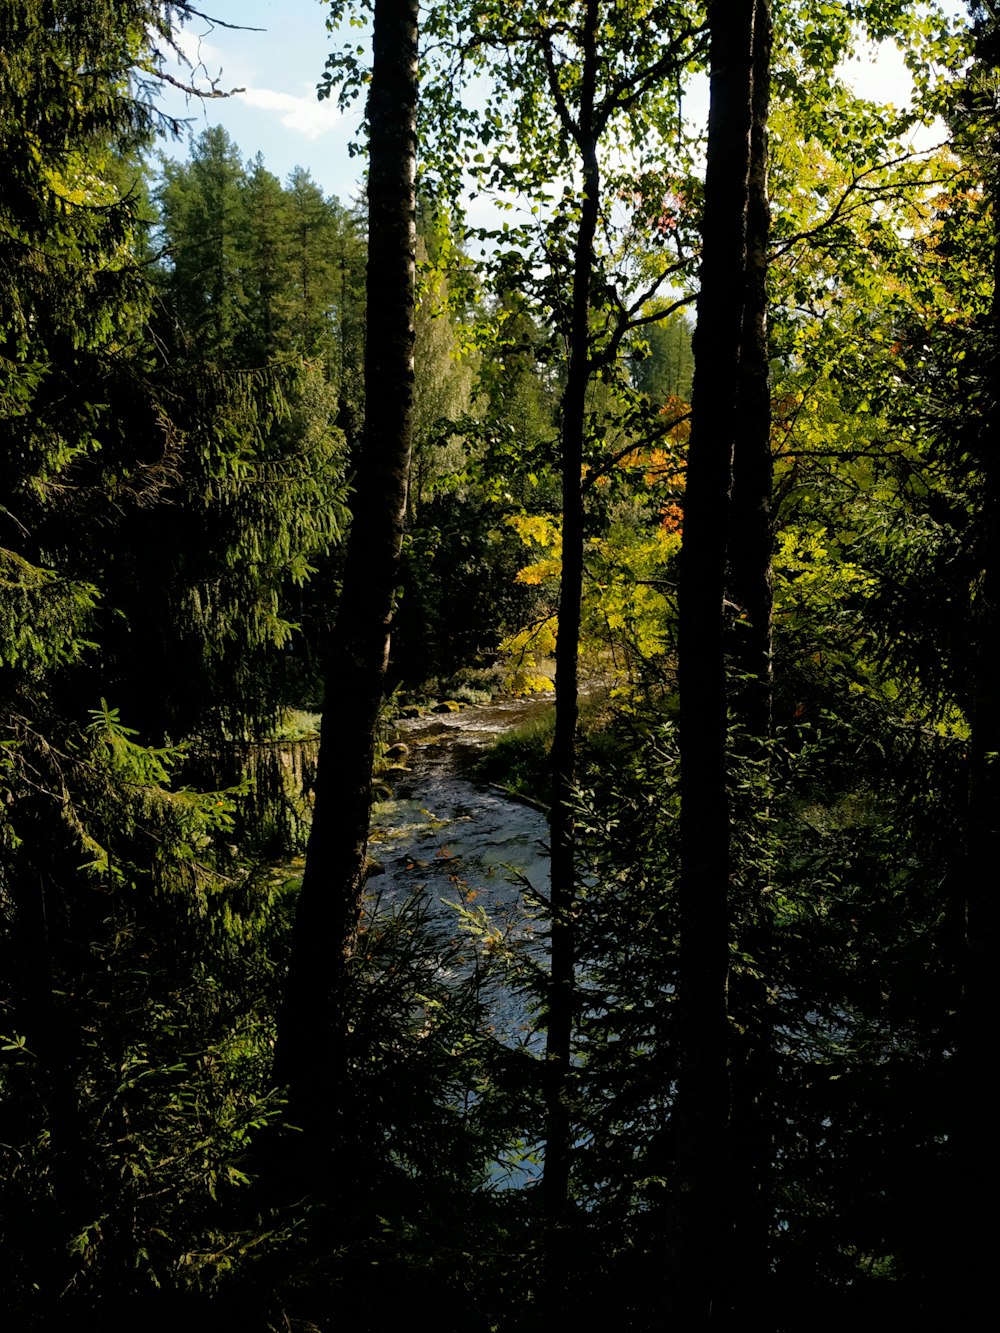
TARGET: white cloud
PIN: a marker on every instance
(301, 113)
(305, 114)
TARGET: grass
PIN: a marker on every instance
(519, 759)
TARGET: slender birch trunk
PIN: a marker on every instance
(559, 1028)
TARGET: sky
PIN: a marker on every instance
(279, 66)
(277, 54)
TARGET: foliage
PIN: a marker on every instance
(262, 497)
(134, 1074)
(180, 403)
(627, 613)
(519, 760)
(459, 594)
(137, 1077)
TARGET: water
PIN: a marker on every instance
(461, 845)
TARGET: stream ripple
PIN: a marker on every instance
(453, 841)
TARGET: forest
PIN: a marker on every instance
(680, 453)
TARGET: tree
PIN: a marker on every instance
(203, 218)
(578, 83)
(978, 1159)
(445, 373)
(665, 368)
(213, 582)
(101, 858)
(310, 1057)
(265, 223)
(748, 594)
(702, 1252)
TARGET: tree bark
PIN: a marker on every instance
(311, 1050)
(748, 579)
(749, 606)
(702, 1224)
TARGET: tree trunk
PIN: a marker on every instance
(749, 598)
(748, 578)
(311, 1057)
(702, 1224)
(979, 1108)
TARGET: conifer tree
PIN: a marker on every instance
(258, 500)
(92, 839)
(268, 263)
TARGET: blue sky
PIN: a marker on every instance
(278, 114)
(280, 64)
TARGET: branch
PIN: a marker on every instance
(857, 186)
(838, 453)
(189, 11)
(629, 320)
(629, 89)
(163, 77)
(632, 448)
(565, 119)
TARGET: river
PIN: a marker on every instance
(454, 841)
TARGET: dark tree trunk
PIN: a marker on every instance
(312, 1029)
(42, 1011)
(748, 579)
(979, 1107)
(749, 597)
(559, 1029)
(702, 1236)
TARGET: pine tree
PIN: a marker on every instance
(258, 501)
(268, 260)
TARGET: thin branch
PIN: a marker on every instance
(838, 453)
(857, 186)
(628, 90)
(629, 321)
(189, 11)
(650, 438)
(164, 77)
(566, 120)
